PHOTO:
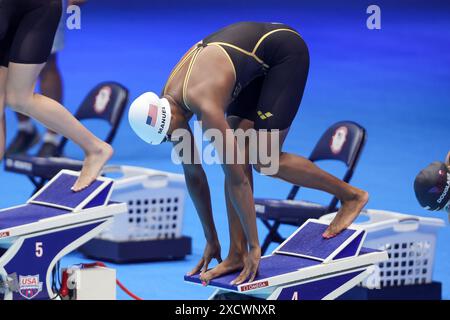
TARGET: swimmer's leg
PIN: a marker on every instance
(51, 86)
(20, 95)
(302, 172)
(280, 98)
(238, 242)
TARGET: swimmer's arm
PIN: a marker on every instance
(239, 187)
(198, 188)
(208, 94)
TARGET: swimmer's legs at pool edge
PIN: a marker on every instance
(302, 172)
(20, 85)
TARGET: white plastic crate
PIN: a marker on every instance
(155, 201)
(410, 241)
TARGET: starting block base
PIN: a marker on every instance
(54, 222)
(426, 291)
(138, 251)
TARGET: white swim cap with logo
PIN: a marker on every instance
(149, 117)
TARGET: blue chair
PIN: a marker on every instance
(344, 142)
(106, 102)
(113, 102)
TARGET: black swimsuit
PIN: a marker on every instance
(27, 30)
(271, 63)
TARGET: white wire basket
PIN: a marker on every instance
(155, 201)
(409, 240)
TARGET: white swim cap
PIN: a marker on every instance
(149, 117)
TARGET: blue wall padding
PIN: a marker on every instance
(27, 214)
(269, 267)
(59, 193)
(309, 241)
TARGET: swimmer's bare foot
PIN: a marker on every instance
(348, 212)
(93, 164)
(230, 264)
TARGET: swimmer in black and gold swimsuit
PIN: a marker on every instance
(270, 62)
(255, 73)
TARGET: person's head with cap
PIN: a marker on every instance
(153, 119)
(432, 187)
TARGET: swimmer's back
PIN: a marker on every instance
(244, 35)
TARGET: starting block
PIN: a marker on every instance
(54, 222)
(305, 267)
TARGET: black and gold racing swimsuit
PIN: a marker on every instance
(255, 49)
(27, 30)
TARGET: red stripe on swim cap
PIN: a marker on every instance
(152, 115)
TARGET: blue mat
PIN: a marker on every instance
(27, 214)
(269, 267)
(59, 193)
(309, 241)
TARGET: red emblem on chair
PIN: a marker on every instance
(102, 99)
(338, 140)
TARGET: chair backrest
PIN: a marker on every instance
(343, 141)
(107, 102)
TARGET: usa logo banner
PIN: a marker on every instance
(29, 286)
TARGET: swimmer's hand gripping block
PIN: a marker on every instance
(54, 222)
(306, 266)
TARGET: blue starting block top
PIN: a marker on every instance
(270, 266)
(57, 199)
(54, 222)
(21, 215)
(58, 194)
(305, 255)
(308, 242)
